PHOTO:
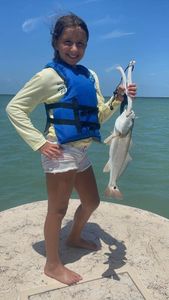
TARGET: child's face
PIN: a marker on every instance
(71, 45)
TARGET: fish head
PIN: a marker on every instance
(124, 122)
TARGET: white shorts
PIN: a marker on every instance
(71, 159)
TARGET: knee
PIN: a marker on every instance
(93, 204)
(60, 213)
(57, 213)
(96, 204)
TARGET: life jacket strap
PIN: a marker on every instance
(81, 110)
(79, 125)
(74, 106)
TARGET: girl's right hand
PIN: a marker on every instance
(51, 150)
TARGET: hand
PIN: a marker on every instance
(120, 91)
(51, 150)
(132, 90)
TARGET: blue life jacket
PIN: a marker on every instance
(75, 116)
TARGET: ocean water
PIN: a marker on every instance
(145, 183)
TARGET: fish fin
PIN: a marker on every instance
(106, 167)
(109, 139)
(114, 192)
(129, 158)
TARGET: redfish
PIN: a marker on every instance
(120, 141)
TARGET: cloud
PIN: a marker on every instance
(90, 1)
(109, 69)
(31, 24)
(103, 21)
(107, 20)
(115, 34)
(152, 74)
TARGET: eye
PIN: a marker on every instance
(81, 44)
(68, 43)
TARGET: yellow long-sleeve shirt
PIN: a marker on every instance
(47, 87)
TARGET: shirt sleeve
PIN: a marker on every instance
(106, 109)
(45, 86)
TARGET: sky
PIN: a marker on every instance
(120, 31)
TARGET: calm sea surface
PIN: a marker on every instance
(145, 183)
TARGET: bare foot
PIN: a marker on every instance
(62, 274)
(81, 243)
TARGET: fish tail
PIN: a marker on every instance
(113, 191)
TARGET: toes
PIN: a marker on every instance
(63, 275)
(75, 278)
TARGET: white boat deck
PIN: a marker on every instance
(132, 264)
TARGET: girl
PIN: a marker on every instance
(75, 108)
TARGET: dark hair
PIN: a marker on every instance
(70, 20)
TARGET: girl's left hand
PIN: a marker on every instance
(132, 90)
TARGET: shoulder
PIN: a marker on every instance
(43, 80)
(93, 73)
(49, 75)
(96, 79)
(52, 83)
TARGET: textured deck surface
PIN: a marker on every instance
(133, 262)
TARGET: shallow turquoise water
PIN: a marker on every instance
(145, 183)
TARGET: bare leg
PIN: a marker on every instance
(86, 187)
(59, 188)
